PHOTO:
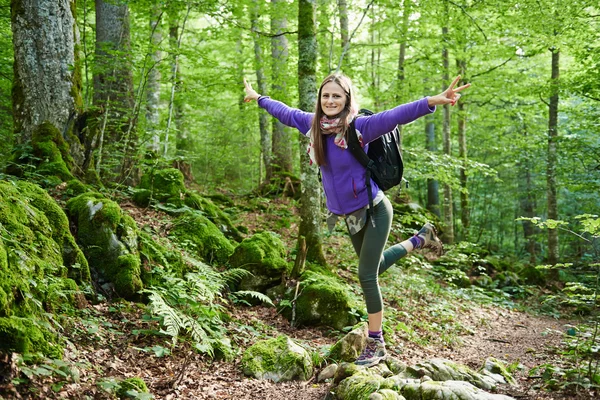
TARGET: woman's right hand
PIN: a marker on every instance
(251, 94)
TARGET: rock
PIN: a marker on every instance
(496, 370)
(202, 238)
(359, 386)
(109, 239)
(386, 394)
(162, 184)
(456, 390)
(346, 370)
(278, 360)
(131, 387)
(395, 365)
(349, 347)
(264, 256)
(446, 370)
(327, 373)
(325, 301)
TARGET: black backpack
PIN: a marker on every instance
(383, 160)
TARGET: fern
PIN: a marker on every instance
(240, 294)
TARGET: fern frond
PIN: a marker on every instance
(234, 275)
(255, 295)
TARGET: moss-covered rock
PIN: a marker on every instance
(459, 390)
(446, 370)
(109, 240)
(278, 359)
(325, 301)
(48, 155)
(496, 369)
(359, 386)
(264, 255)
(200, 236)
(213, 213)
(163, 183)
(35, 246)
(22, 335)
(130, 388)
(350, 346)
(156, 260)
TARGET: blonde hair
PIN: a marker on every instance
(348, 113)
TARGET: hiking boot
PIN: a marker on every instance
(372, 354)
(430, 239)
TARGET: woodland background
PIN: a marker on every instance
(514, 168)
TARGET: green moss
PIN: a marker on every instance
(164, 183)
(109, 241)
(63, 295)
(21, 335)
(131, 384)
(325, 301)
(278, 359)
(214, 213)
(75, 187)
(141, 197)
(157, 259)
(37, 250)
(200, 236)
(264, 255)
(359, 386)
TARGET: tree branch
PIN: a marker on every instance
(493, 68)
(468, 15)
(352, 35)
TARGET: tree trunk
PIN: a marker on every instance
(448, 212)
(465, 212)
(310, 225)
(343, 10)
(433, 192)
(282, 146)
(113, 88)
(400, 97)
(153, 83)
(527, 203)
(263, 118)
(46, 86)
(553, 254)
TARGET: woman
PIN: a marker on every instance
(343, 179)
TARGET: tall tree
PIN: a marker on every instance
(344, 34)
(47, 73)
(553, 253)
(113, 89)
(263, 118)
(310, 226)
(462, 154)
(153, 83)
(282, 147)
(448, 201)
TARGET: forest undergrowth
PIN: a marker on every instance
(429, 314)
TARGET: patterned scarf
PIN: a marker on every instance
(330, 126)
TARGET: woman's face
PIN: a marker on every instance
(333, 99)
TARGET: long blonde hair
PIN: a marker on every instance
(346, 116)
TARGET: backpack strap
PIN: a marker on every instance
(362, 157)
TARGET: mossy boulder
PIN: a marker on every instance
(162, 184)
(35, 246)
(279, 360)
(359, 386)
(48, 155)
(351, 345)
(200, 236)
(497, 370)
(325, 301)
(130, 388)
(109, 240)
(157, 259)
(436, 390)
(264, 256)
(211, 211)
(23, 335)
(446, 370)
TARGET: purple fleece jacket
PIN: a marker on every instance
(343, 177)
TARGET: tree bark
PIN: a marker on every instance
(310, 225)
(47, 78)
(465, 212)
(345, 37)
(263, 118)
(527, 203)
(153, 83)
(113, 88)
(433, 196)
(553, 254)
(400, 97)
(448, 201)
(282, 146)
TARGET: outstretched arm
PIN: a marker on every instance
(286, 115)
(448, 96)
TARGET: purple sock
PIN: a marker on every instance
(377, 335)
(416, 241)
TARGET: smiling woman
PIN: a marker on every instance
(345, 183)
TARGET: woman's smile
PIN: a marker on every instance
(333, 99)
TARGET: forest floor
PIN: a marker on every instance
(110, 340)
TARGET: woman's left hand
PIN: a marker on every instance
(448, 96)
